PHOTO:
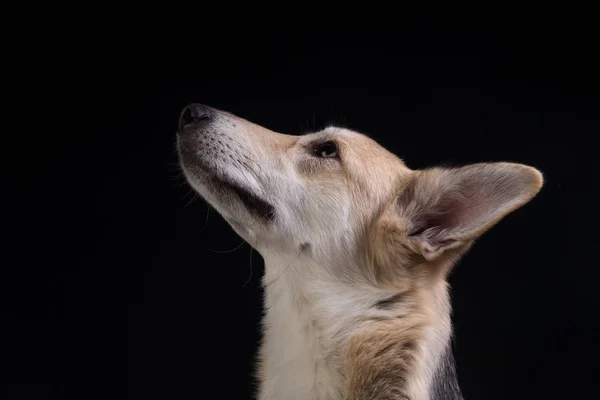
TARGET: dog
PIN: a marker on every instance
(357, 250)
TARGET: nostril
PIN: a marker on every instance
(186, 118)
(193, 113)
(198, 111)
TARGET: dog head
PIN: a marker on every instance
(336, 196)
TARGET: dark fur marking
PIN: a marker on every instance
(445, 381)
(304, 246)
(254, 204)
(388, 303)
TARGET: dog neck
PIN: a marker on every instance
(308, 322)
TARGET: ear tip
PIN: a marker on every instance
(533, 178)
(536, 179)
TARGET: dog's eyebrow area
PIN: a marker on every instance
(315, 138)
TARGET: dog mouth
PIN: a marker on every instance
(200, 168)
(254, 204)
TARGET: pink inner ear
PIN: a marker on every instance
(436, 223)
(465, 205)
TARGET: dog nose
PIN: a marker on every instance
(193, 113)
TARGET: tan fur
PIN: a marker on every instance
(357, 256)
(381, 360)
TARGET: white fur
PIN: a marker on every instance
(309, 315)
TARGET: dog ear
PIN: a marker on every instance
(446, 208)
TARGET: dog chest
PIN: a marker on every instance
(296, 359)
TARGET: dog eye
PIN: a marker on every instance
(326, 150)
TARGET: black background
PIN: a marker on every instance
(113, 285)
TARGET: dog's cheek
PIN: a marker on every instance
(389, 260)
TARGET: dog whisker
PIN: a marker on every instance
(206, 219)
(250, 277)
(195, 196)
(231, 250)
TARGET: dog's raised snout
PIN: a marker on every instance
(193, 113)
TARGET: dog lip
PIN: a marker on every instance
(253, 203)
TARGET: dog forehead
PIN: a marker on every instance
(362, 150)
(359, 142)
(346, 134)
